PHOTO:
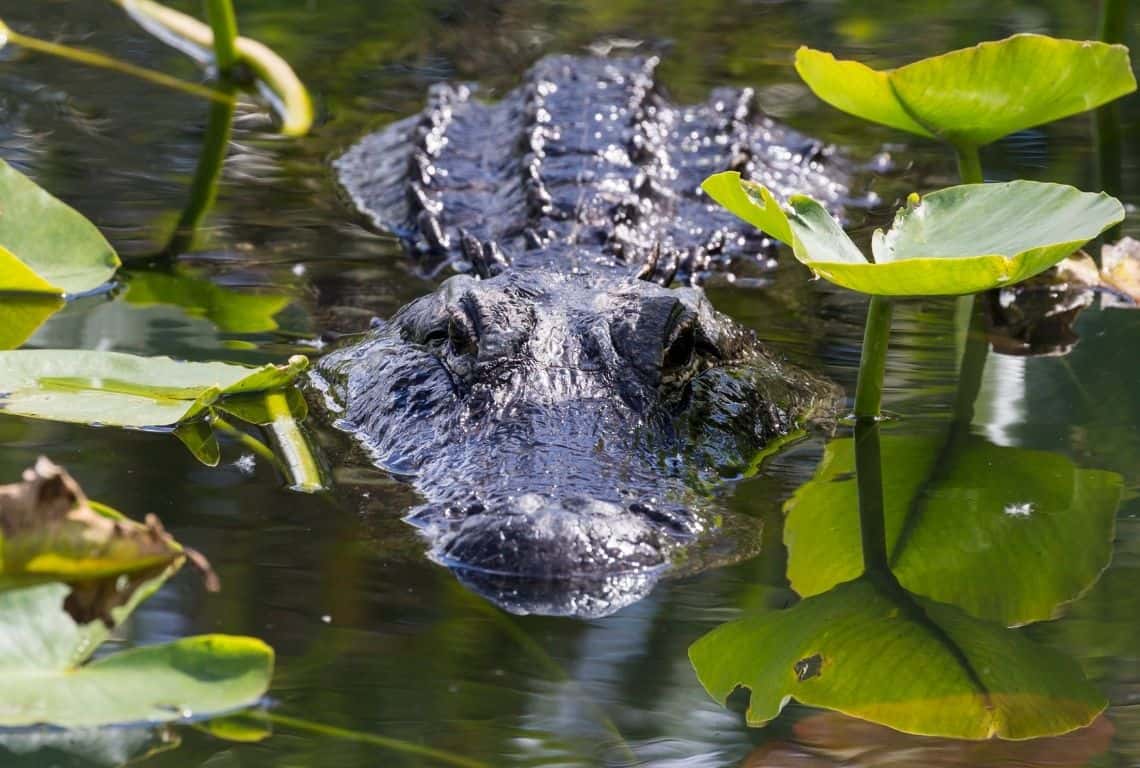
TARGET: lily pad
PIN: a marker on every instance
(974, 96)
(872, 651)
(958, 240)
(112, 388)
(1006, 534)
(21, 314)
(46, 682)
(46, 246)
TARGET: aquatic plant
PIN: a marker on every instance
(904, 619)
(217, 42)
(70, 571)
(958, 240)
(292, 100)
(46, 246)
(190, 399)
(974, 96)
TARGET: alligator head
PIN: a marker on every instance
(564, 419)
(562, 427)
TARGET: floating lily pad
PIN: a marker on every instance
(874, 652)
(42, 654)
(46, 246)
(112, 388)
(1007, 534)
(958, 240)
(21, 314)
(974, 96)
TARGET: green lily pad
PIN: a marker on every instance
(21, 314)
(974, 96)
(1006, 534)
(958, 240)
(46, 246)
(46, 682)
(112, 388)
(868, 649)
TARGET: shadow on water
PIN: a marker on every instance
(379, 649)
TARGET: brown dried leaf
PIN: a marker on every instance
(50, 532)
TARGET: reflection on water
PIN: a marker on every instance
(373, 638)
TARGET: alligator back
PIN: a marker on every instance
(585, 165)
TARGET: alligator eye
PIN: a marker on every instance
(679, 352)
(461, 335)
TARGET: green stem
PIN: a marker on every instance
(971, 369)
(293, 445)
(291, 100)
(204, 188)
(873, 361)
(94, 59)
(249, 441)
(223, 22)
(969, 164)
(396, 745)
(1106, 119)
(973, 363)
(869, 479)
(1113, 21)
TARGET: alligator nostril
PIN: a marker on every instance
(676, 520)
(642, 509)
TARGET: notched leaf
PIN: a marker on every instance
(49, 531)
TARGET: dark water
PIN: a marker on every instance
(370, 636)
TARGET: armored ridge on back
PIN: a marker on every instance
(561, 410)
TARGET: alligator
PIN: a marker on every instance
(563, 411)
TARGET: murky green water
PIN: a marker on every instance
(370, 636)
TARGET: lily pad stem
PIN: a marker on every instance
(872, 362)
(204, 187)
(103, 61)
(293, 445)
(869, 478)
(370, 739)
(969, 164)
(223, 22)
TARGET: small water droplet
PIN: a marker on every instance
(1019, 509)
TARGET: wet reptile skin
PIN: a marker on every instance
(563, 412)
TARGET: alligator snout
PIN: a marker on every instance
(546, 537)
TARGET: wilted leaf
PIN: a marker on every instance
(1035, 317)
(974, 96)
(46, 246)
(957, 240)
(1120, 268)
(112, 388)
(49, 532)
(915, 665)
(1007, 534)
